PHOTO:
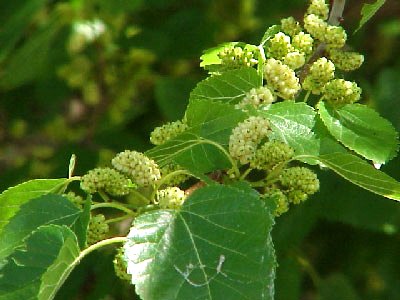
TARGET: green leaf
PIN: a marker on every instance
(47, 209)
(81, 225)
(359, 172)
(37, 270)
(368, 11)
(215, 124)
(362, 130)
(230, 86)
(270, 32)
(337, 286)
(12, 30)
(217, 246)
(200, 149)
(14, 197)
(20, 68)
(292, 123)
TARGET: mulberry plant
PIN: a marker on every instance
(203, 201)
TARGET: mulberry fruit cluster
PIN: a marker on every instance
(142, 170)
(97, 229)
(164, 133)
(246, 136)
(170, 198)
(107, 180)
(120, 266)
(256, 97)
(233, 57)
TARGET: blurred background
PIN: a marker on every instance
(94, 77)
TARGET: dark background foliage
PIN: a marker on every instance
(94, 77)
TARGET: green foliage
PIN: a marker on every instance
(368, 11)
(196, 251)
(39, 268)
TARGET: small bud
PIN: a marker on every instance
(141, 169)
(339, 92)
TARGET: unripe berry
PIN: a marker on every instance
(107, 180)
(256, 97)
(335, 36)
(319, 8)
(75, 199)
(270, 154)
(97, 229)
(281, 78)
(120, 266)
(315, 26)
(282, 203)
(295, 60)
(339, 92)
(303, 42)
(142, 170)
(298, 181)
(162, 134)
(290, 26)
(279, 46)
(235, 57)
(246, 136)
(170, 198)
(346, 60)
(321, 71)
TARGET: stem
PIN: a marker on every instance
(247, 172)
(336, 12)
(104, 196)
(170, 175)
(114, 205)
(307, 96)
(118, 219)
(309, 269)
(118, 239)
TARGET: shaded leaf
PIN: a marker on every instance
(270, 32)
(362, 130)
(81, 225)
(368, 11)
(359, 172)
(14, 197)
(37, 270)
(201, 148)
(217, 246)
(230, 86)
(337, 286)
(47, 209)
